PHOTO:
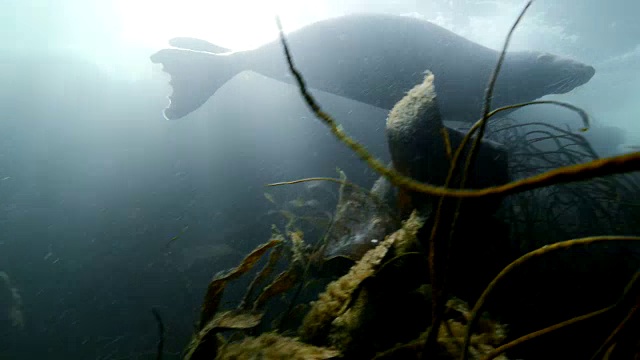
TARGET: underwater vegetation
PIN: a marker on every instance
(474, 244)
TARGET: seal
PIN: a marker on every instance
(374, 59)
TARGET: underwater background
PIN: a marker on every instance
(107, 210)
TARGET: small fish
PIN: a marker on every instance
(173, 239)
(312, 203)
(270, 198)
(298, 202)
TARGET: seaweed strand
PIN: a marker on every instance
(495, 353)
(438, 282)
(610, 341)
(563, 245)
(510, 345)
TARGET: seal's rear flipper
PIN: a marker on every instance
(195, 77)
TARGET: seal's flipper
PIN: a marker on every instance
(197, 45)
(195, 77)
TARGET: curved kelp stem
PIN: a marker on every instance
(510, 345)
(479, 125)
(437, 272)
(491, 86)
(545, 250)
(632, 296)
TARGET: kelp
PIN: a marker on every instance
(523, 259)
(394, 283)
(285, 281)
(564, 174)
(339, 294)
(274, 346)
(216, 287)
(261, 276)
(451, 335)
(205, 342)
(601, 206)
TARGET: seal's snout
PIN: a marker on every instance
(589, 72)
(583, 75)
(570, 75)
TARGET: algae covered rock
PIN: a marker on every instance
(421, 147)
(339, 295)
(274, 346)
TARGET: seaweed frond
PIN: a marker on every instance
(274, 346)
(338, 294)
(524, 259)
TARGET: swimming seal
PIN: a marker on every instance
(374, 59)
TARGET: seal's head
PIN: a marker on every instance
(526, 76)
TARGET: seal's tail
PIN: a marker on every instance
(195, 77)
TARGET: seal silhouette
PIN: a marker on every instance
(375, 59)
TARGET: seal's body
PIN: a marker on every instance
(374, 59)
